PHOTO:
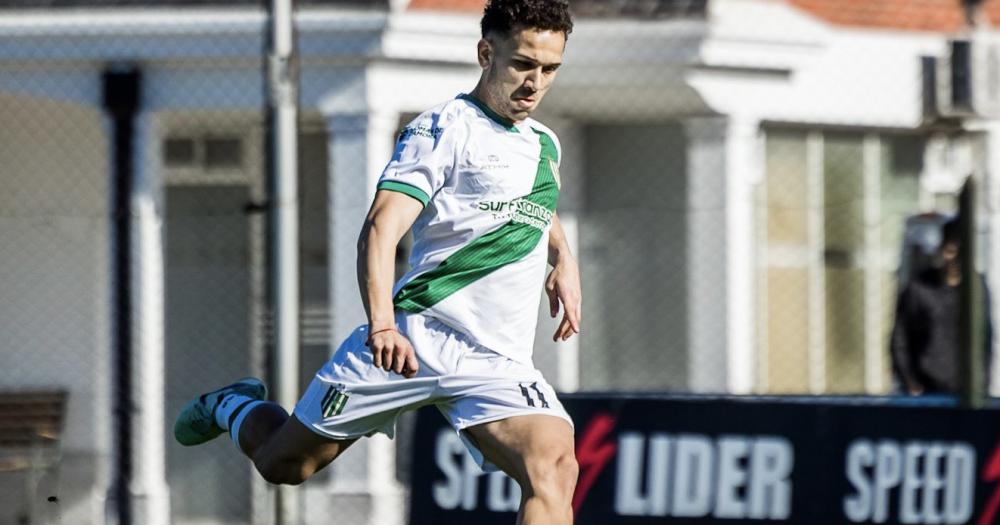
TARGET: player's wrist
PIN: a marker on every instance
(380, 322)
(373, 333)
(376, 325)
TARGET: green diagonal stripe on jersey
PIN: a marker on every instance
(505, 245)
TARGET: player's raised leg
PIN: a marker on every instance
(283, 450)
(537, 451)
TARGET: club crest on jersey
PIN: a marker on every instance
(334, 401)
(554, 168)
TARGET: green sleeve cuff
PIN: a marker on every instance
(405, 189)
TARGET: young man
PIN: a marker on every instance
(925, 343)
(477, 180)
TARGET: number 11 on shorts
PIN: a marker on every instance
(537, 395)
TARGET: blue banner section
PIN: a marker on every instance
(699, 460)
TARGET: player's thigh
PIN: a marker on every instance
(348, 398)
(295, 443)
(527, 447)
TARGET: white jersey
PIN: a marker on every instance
(480, 248)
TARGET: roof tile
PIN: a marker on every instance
(912, 15)
(448, 5)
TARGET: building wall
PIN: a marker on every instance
(54, 275)
(207, 316)
(633, 256)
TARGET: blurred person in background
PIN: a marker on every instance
(478, 181)
(925, 344)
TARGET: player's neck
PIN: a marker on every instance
(479, 93)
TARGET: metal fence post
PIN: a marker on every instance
(971, 318)
(284, 215)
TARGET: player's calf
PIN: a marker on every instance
(293, 453)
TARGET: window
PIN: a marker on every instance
(223, 153)
(209, 153)
(831, 209)
(179, 152)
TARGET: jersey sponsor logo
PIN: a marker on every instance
(420, 131)
(520, 211)
(334, 401)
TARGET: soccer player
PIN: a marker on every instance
(478, 181)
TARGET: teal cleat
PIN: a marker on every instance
(196, 423)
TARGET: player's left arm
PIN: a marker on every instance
(563, 284)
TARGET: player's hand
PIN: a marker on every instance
(563, 286)
(393, 352)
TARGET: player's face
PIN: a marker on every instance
(518, 70)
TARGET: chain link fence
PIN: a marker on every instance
(740, 219)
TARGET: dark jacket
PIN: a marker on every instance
(925, 338)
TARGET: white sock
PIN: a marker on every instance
(229, 404)
(234, 430)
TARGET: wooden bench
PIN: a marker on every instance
(31, 424)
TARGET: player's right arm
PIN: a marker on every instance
(424, 155)
(390, 216)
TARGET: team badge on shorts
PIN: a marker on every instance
(334, 401)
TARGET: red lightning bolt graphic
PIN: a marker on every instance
(593, 454)
(991, 472)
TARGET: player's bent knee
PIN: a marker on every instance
(285, 470)
(553, 478)
(295, 454)
(567, 470)
(285, 473)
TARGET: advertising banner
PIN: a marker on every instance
(695, 460)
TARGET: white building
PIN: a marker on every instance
(736, 174)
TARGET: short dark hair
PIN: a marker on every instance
(502, 16)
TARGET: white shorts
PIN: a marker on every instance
(470, 385)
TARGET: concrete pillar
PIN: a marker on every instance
(744, 167)
(362, 486)
(723, 165)
(360, 146)
(150, 495)
(707, 254)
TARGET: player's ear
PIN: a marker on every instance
(484, 53)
